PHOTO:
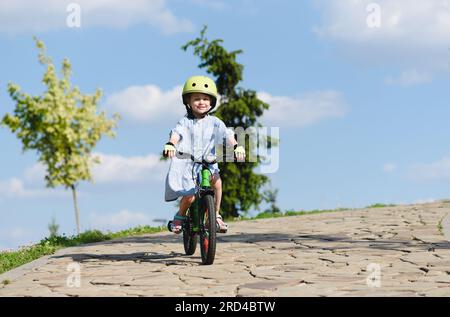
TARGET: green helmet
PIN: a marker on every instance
(200, 84)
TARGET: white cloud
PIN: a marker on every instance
(147, 103)
(20, 16)
(121, 219)
(210, 4)
(15, 237)
(435, 171)
(15, 188)
(16, 233)
(120, 169)
(112, 169)
(410, 78)
(424, 201)
(304, 110)
(412, 22)
(389, 167)
(34, 174)
(416, 201)
(412, 32)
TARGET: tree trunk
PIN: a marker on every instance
(77, 212)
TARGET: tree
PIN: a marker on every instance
(239, 108)
(270, 196)
(62, 126)
(53, 228)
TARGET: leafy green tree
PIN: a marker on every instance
(53, 228)
(270, 196)
(62, 126)
(239, 108)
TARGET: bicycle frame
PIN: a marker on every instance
(203, 187)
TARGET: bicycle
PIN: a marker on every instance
(201, 215)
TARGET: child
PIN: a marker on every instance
(197, 133)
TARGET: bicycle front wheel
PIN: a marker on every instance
(208, 230)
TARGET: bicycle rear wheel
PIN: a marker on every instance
(208, 230)
(190, 238)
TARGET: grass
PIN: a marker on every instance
(380, 206)
(289, 213)
(48, 246)
(441, 228)
(312, 212)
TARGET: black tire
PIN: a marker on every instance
(208, 230)
(189, 238)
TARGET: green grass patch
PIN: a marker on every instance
(312, 212)
(136, 231)
(288, 213)
(10, 260)
(380, 206)
(441, 228)
(264, 215)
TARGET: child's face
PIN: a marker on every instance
(200, 103)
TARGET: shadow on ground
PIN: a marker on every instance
(297, 240)
(302, 241)
(172, 258)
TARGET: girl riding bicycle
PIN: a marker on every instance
(197, 133)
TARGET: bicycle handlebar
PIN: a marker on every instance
(182, 155)
(185, 155)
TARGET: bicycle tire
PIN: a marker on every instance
(208, 230)
(189, 238)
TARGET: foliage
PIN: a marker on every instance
(53, 228)
(61, 125)
(270, 196)
(378, 205)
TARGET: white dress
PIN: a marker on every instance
(198, 137)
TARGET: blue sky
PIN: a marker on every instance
(358, 89)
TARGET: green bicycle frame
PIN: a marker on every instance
(206, 173)
(205, 183)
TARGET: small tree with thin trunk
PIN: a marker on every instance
(62, 125)
(53, 228)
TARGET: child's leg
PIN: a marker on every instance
(185, 203)
(217, 185)
(216, 182)
(177, 221)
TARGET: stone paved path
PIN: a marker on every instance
(330, 254)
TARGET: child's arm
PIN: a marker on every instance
(239, 150)
(169, 147)
(232, 141)
(174, 138)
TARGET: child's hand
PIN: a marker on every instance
(169, 150)
(239, 153)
